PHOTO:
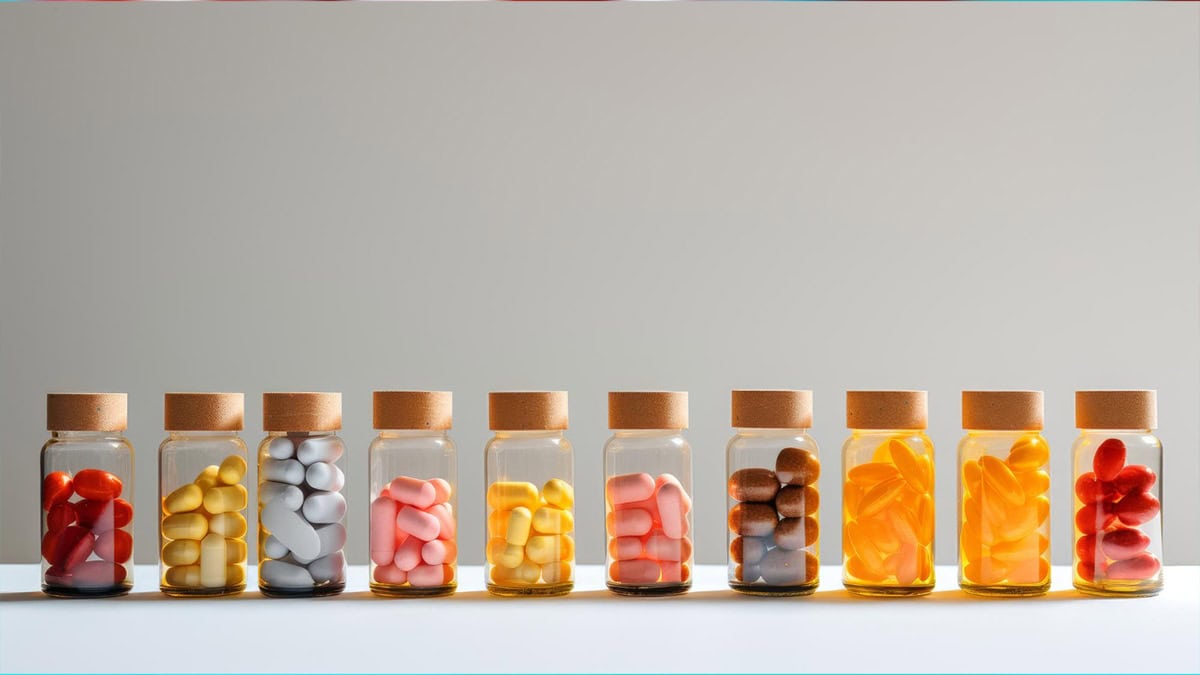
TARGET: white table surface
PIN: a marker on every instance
(709, 629)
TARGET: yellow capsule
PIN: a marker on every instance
(556, 572)
(524, 574)
(910, 468)
(183, 576)
(549, 520)
(235, 551)
(225, 498)
(185, 498)
(558, 492)
(185, 526)
(235, 575)
(878, 497)
(498, 523)
(181, 552)
(546, 548)
(519, 522)
(231, 525)
(997, 474)
(212, 561)
(231, 470)
(511, 556)
(871, 473)
(1034, 483)
(495, 549)
(208, 477)
(1028, 453)
(505, 495)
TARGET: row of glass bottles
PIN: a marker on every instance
(773, 467)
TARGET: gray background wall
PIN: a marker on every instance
(695, 197)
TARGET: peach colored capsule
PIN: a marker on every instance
(439, 552)
(625, 548)
(672, 508)
(413, 491)
(430, 575)
(634, 571)
(408, 554)
(630, 487)
(390, 574)
(662, 547)
(441, 490)
(628, 522)
(422, 525)
(445, 517)
(383, 526)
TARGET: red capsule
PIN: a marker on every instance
(102, 516)
(1109, 459)
(1137, 508)
(1090, 490)
(56, 489)
(115, 546)
(98, 485)
(1085, 549)
(1086, 571)
(1123, 543)
(1092, 518)
(1134, 478)
(69, 547)
(1141, 566)
(61, 515)
(97, 574)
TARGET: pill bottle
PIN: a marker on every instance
(530, 473)
(648, 494)
(301, 507)
(202, 494)
(1003, 495)
(887, 495)
(1118, 494)
(87, 497)
(414, 490)
(772, 466)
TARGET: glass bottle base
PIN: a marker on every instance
(767, 590)
(180, 592)
(997, 591)
(657, 590)
(310, 592)
(72, 592)
(1118, 589)
(540, 590)
(390, 591)
(876, 591)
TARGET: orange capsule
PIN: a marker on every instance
(878, 497)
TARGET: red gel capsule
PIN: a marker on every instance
(61, 515)
(98, 485)
(115, 546)
(1085, 549)
(1137, 508)
(56, 489)
(69, 547)
(1086, 571)
(1092, 518)
(1134, 478)
(1089, 489)
(1107, 463)
(97, 574)
(1141, 566)
(102, 516)
(1124, 543)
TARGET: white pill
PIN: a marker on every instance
(290, 495)
(319, 449)
(324, 507)
(285, 575)
(273, 548)
(324, 476)
(330, 568)
(333, 538)
(283, 471)
(292, 531)
(281, 448)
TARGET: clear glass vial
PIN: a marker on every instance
(414, 485)
(301, 508)
(530, 474)
(202, 494)
(1117, 463)
(87, 497)
(1003, 495)
(648, 494)
(887, 495)
(772, 466)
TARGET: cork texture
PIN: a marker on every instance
(413, 409)
(527, 410)
(302, 411)
(647, 410)
(1114, 409)
(1003, 410)
(193, 411)
(887, 409)
(87, 412)
(771, 409)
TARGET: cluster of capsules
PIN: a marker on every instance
(774, 521)
(413, 534)
(529, 533)
(648, 531)
(86, 542)
(1113, 502)
(203, 529)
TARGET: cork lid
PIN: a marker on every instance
(647, 410)
(87, 412)
(413, 409)
(189, 411)
(772, 409)
(1002, 410)
(1112, 409)
(887, 409)
(527, 410)
(302, 411)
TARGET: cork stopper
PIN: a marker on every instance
(188, 411)
(302, 411)
(527, 410)
(647, 410)
(772, 409)
(87, 412)
(1002, 410)
(887, 409)
(413, 409)
(1111, 409)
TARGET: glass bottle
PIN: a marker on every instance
(87, 497)
(202, 495)
(1003, 495)
(530, 495)
(772, 465)
(1118, 494)
(887, 495)
(648, 494)
(301, 508)
(414, 481)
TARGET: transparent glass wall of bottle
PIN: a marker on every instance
(198, 458)
(1004, 513)
(1118, 549)
(74, 526)
(283, 572)
(424, 455)
(760, 449)
(887, 513)
(535, 458)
